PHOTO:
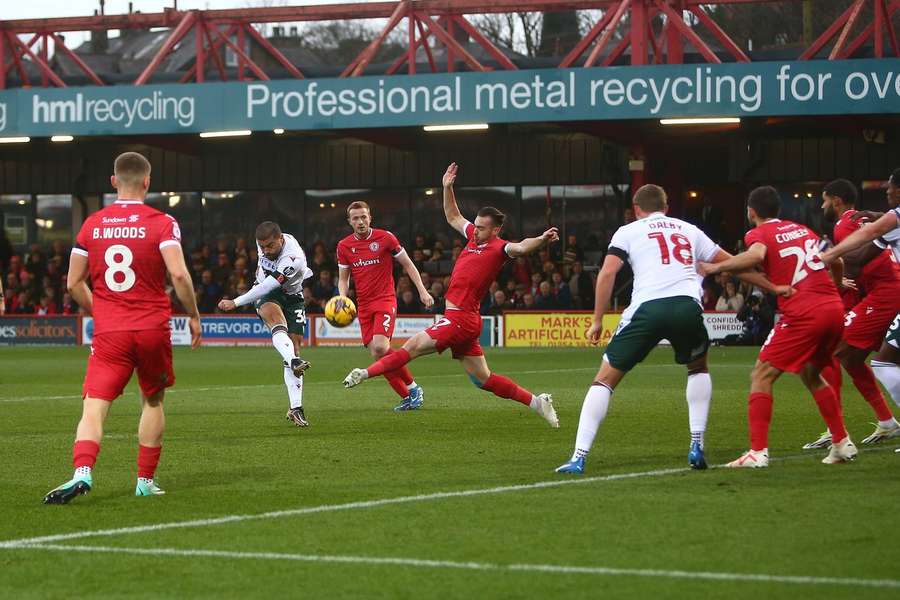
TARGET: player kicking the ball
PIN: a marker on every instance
(369, 254)
(277, 296)
(481, 260)
(126, 249)
(665, 304)
(810, 329)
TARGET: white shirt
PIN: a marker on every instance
(892, 238)
(663, 253)
(289, 266)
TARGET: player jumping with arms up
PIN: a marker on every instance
(805, 338)
(277, 296)
(126, 249)
(665, 304)
(481, 260)
(369, 254)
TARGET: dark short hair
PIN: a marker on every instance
(765, 201)
(496, 216)
(358, 204)
(130, 168)
(267, 230)
(895, 177)
(651, 198)
(843, 189)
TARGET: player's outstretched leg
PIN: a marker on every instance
(390, 362)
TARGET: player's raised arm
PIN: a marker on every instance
(530, 245)
(612, 264)
(869, 233)
(76, 282)
(451, 210)
(184, 287)
(753, 257)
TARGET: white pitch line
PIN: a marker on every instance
(335, 507)
(181, 390)
(479, 566)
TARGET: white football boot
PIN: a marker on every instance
(542, 404)
(843, 451)
(751, 459)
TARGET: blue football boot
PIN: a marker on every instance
(575, 467)
(696, 458)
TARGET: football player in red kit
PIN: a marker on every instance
(805, 338)
(478, 265)
(369, 254)
(127, 249)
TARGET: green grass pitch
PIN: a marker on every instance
(784, 532)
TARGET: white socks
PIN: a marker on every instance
(889, 375)
(82, 472)
(294, 387)
(699, 395)
(283, 344)
(593, 411)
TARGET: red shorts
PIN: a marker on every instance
(810, 338)
(460, 331)
(116, 354)
(377, 319)
(867, 322)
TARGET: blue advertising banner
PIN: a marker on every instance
(45, 330)
(733, 89)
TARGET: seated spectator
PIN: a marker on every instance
(68, 305)
(545, 300)
(241, 250)
(581, 287)
(426, 280)
(527, 302)
(408, 304)
(437, 292)
(561, 290)
(222, 248)
(22, 305)
(324, 289)
(403, 285)
(208, 293)
(321, 260)
(521, 271)
(418, 258)
(246, 309)
(536, 279)
(312, 303)
(47, 306)
(573, 251)
(222, 271)
(499, 303)
(709, 299)
(731, 299)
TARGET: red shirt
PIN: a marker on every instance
(371, 262)
(476, 268)
(792, 258)
(881, 270)
(128, 276)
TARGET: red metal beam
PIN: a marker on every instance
(423, 41)
(861, 39)
(12, 40)
(365, 57)
(607, 33)
(586, 41)
(623, 45)
(2, 61)
(448, 41)
(411, 39)
(687, 32)
(638, 32)
(177, 34)
(720, 35)
(60, 46)
(214, 49)
(254, 68)
(484, 43)
(848, 26)
(274, 52)
(46, 71)
(826, 35)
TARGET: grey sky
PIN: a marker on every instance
(12, 9)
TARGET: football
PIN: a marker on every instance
(340, 311)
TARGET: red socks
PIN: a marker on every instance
(147, 460)
(864, 380)
(760, 415)
(506, 388)
(84, 453)
(831, 412)
(833, 377)
(399, 379)
(389, 362)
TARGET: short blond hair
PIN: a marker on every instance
(358, 204)
(131, 169)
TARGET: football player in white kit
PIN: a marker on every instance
(663, 253)
(277, 296)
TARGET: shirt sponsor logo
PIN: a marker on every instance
(366, 262)
(113, 219)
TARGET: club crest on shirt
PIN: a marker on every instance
(374, 246)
